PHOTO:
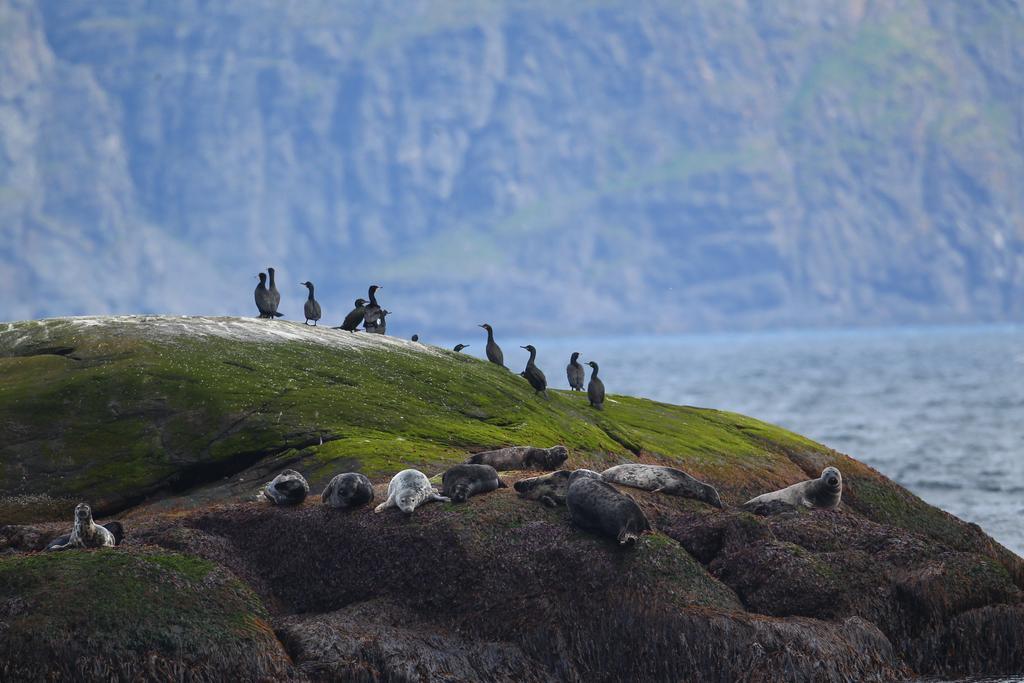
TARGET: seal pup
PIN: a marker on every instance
(462, 481)
(823, 492)
(354, 317)
(85, 533)
(494, 353)
(408, 490)
(656, 478)
(574, 372)
(458, 347)
(521, 458)
(348, 490)
(597, 506)
(311, 309)
(549, 489)
(287, 488)
(595, 388)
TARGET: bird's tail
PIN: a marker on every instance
(278, 315)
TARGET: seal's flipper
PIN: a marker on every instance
(59, 543)
(390, 502)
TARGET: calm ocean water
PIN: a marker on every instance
(939, 410)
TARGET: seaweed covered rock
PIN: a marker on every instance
(120, 615)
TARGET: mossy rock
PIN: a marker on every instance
(119, 614)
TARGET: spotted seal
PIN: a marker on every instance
(408, 490)
(657, 478)
(521, 458)
(597, 506)
(287, 488)
(348, 490)
(462, 481)
(824, 492)
(549, 489)
(86, 533)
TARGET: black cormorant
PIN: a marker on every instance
(263, 302)
(381, 324)
(275, 296)
(458, 347)
(311, 309)
(371, 313)
(493, 350)
(415, 337)
(533, 374)
(574, 371)
(595, 389)
(354, 317)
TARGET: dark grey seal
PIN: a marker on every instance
(462, 481)
(598, 507)
(657, 479)
(348, 490)
(824, 492)
(549, 489)
(521, 458)
(287, 488)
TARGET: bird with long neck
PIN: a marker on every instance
(595, 389)
(354, 317)
(494, 353)
(371, 313)
(263, 302)
(275, 296)
(533, 374)
(458, 347)
(311, 309)
(574, 371)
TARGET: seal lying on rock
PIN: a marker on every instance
(597, 506)
(86, 533)
(823, 492)
(408, 490)
(348, 490)
(287, 488)
(662, 479)
(521, 458)
(462, 481)
(549, 489)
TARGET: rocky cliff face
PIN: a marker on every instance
(732, 164)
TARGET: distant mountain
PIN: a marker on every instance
(549, 166)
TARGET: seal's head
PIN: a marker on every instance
(548, 489)
(83, 513)
(553, 457)
(709, 494)
(406, 502)
(832, 479)
(459, 492)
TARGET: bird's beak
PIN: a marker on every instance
(522, 347)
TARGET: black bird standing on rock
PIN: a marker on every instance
(263, 302)
(382, 324)
(354, 317)
(275, 296)
(371, 313)
(494, 353)
(458, 347)
(595, 389)
(415, 337)
(574, 371)
(311, 309)
(533, 374)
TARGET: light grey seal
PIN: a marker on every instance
(287, 488)
(85, 533)
(408, 490)
(521, 458)
(348, 490)
(597, 506)
(823, 492)
(667, 480)
(549, 489)
(462, 481)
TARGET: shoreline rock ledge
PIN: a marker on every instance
(170, 424)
